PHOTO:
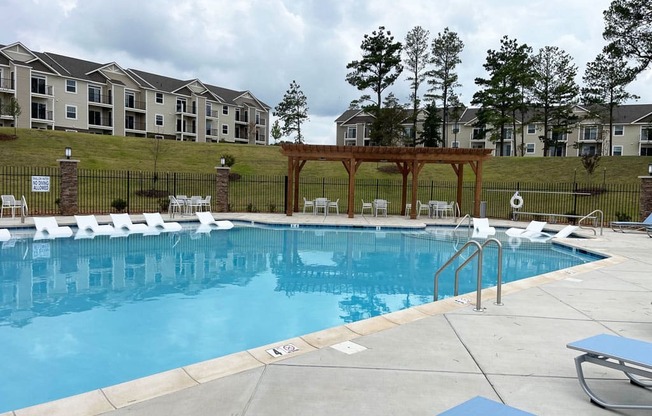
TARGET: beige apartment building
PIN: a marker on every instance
(58, 92)
(632, 133)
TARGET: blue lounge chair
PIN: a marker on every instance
(480, 406)
(631, 356)
(632, 225)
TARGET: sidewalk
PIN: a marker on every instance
(426, 359)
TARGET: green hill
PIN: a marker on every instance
(44, 147)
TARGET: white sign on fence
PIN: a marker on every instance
(40, 184)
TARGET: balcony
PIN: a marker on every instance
(99, 99)
(7, 84)
(102, 122)
(212, 114)
(135, 125)
(239, 118)
(212, 132)
(42, 89)
(646, 136)
(47, 115)
(135, 105)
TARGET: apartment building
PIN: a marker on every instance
(65, 93)
(631, 136)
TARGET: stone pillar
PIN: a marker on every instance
(68, 181)
(646, 196)
(222, 189)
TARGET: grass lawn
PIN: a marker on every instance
(44, 147)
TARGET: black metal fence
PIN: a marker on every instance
(101, 191)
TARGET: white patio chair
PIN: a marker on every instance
(321, 204)
(367, 205)
(175, 206)
(206, 203)
(308, 203)
(380, 205)
(10, 203)
(422, 207)
(335, 205)
(194, 204)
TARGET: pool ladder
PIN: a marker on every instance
(478, 253)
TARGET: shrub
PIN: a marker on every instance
(163, 205)
(272, 207)
(622, 216)
(119, 204)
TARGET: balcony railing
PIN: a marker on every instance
(103, 122)
(7, 83)
(646, 137)
(187, 130)
(44, 115)
(212, 132)
(261, 122)
(136, 105)
(42, 89)
(136, 125)
(99, 98)
(212, 113)
(241, 118)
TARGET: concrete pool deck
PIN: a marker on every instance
(423, 360)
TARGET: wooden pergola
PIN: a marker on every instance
(407, 159)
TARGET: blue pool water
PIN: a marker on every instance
(77, 315)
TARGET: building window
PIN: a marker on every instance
(225, 129)
(455, 145)
(531, 129)
(159, 98)
(478, 133)
(71, 112)
(619, 130)
(617, 151)
(130, 99)
(94, 94)
(225, 110)
(646, 133)
(590, 133)
(159, 120)
(351, 132)
(71, 86)
(529, 148)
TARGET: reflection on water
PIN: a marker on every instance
(39, 277)
(106, 310)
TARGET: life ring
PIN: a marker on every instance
(516, 201)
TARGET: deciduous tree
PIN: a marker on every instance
(292, 111)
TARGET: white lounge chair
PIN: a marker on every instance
(534, 229)
(88, 227)
(47, 227)
(122, 224)
(632, 225)
(481, 228)
(4, 234)
(206, 218)
(155, 220)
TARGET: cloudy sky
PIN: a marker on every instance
(262, 45)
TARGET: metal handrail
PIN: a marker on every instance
(461, 221)
(479, 254)
(590, 215)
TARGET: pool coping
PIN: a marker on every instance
(121, 395)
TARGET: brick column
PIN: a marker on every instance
(222, 188)
(646, 196)
(68, 181)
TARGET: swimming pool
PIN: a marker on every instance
(77, 315)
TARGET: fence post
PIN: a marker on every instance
(646, 196)
(222, 188)
(68, 186)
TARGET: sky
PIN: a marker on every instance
(263, 45)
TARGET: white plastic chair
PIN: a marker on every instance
(206, 203)
(10, 203)
(308, 203)
(422, 207)
(335, 205)
(367, 205)
(321, 204)
(380, 205)
(175, 206)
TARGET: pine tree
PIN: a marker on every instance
(292, 111)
